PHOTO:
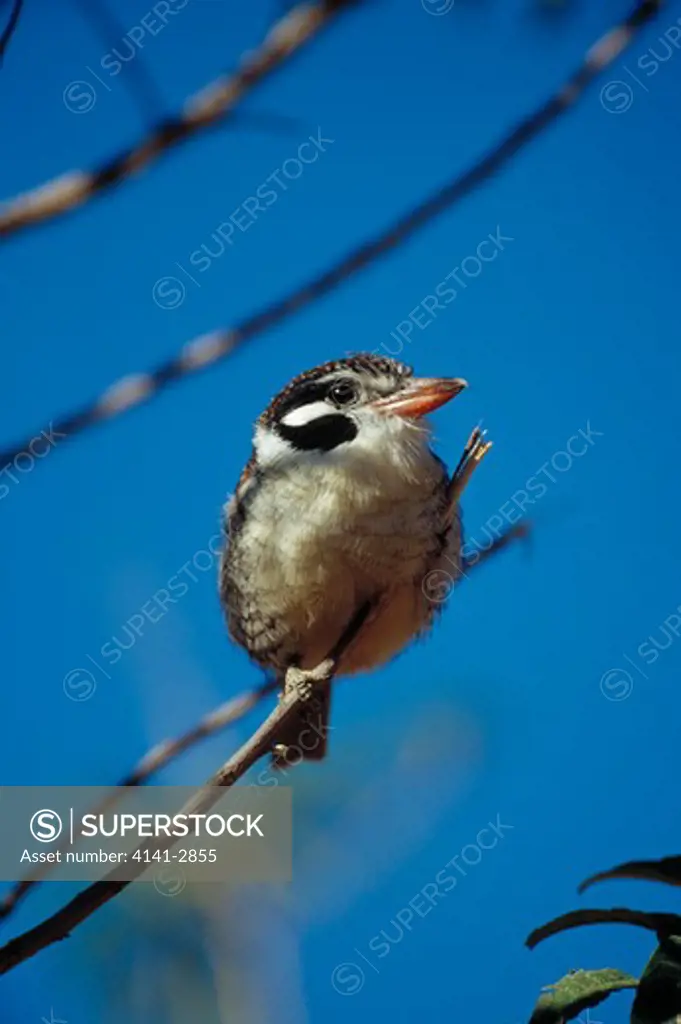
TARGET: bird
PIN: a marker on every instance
(343, 504)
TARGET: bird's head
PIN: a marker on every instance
(359, 407)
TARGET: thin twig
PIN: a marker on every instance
(210, 349)
(142, 86)
(521, 531)
(10, 28)
(60, 925)
(152, 762)
(139, 80)
(209, 107)
(215, 721)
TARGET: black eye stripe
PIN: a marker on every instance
(306, 387)
(321, 434)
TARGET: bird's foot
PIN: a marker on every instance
(303, 682)
(476, 448)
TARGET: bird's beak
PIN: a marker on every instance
(420, 396)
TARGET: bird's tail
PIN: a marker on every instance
(305, 737)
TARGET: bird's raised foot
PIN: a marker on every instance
(476, 448)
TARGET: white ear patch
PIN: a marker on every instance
(269, 447)
(306, 413)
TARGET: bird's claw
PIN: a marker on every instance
(303, 682)
(476, 448)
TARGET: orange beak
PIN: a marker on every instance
(420, 396)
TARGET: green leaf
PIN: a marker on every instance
(668, 870)
(578, 991)
(658, 999)
(662, 924)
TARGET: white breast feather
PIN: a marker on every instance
(326, 530)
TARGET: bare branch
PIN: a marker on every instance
(215, 721)
(10, 28)
(291, 703)
(142, 86)
(210, 349)
(139, 80)
(152, 762)
(521, 531)
(212, 105)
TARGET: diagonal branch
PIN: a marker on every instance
(210, 349)
(152, 762)
(10, 28)
(215, 721)
(212, 105)
(520, 531)
(82, 906)
(139, 79)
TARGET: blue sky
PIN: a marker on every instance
(510, 712)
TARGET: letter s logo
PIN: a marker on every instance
(46, 826)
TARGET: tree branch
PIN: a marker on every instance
(213, 104)
(10, 28)
(210, 349)
(138, 78)
(291, 703)
(521, 531)
(215, 721)
(152, 762)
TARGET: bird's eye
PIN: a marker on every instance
(343, 393)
